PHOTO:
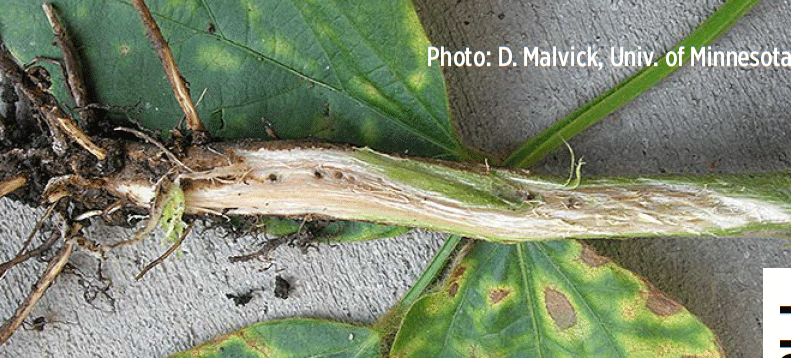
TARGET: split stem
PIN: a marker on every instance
(496, 205)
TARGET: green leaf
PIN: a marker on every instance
(352, 231)
(172, 211)
(335, 230)
(553, 299)
(348, 71)
(166, 211)
(291, 338)
(581, 118)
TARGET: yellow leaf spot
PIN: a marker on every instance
(219, 58)
(172, 6)
(418, 41)
(254, 12)
(124, 49)
(369, 130)
(283, 48)
(323, 29)
(418, 80)
(82, 12)
(372, 94)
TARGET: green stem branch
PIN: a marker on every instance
(582, 118)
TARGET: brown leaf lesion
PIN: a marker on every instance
(498, 294)
(453, 289)
(454, 278)
(559, 308)
(458, 272)
(660, 304)
(591, 258)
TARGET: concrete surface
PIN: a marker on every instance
(184, 301)
(699, 120)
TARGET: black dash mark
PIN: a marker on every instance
(785, 309)
(785, 344)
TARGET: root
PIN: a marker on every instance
(59, 123)
(180, 87)
(32, 253)
(71, 62)
(11, 184)
(302, 238)
(159, 145)
(56, 118)
(167, 253)
(269, 246)
(576, 168)
(21, 256)
(40, 287)
(96, 289)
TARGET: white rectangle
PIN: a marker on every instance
(777, 326)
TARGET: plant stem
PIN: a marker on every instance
(359, 184)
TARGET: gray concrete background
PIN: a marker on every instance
(699, 120)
